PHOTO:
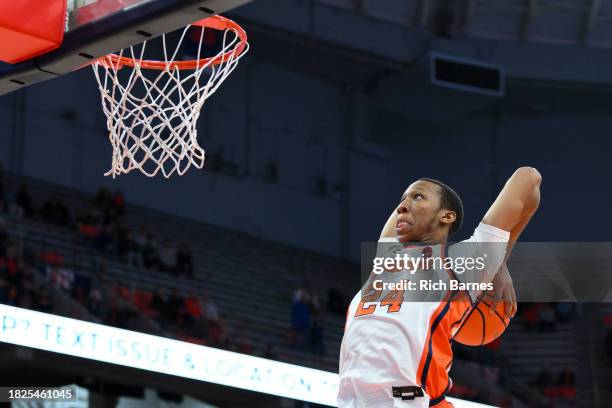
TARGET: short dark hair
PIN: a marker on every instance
(449, 200)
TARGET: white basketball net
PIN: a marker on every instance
(151, 115)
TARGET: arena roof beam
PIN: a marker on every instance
(360, 5)
(423, 14)
(468, 8)
(527, 19)
(591, 21)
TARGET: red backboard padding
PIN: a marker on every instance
(30, 27)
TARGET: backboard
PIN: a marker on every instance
(98, 27)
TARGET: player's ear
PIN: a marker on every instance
(447, 217)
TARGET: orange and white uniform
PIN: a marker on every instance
(400, 339)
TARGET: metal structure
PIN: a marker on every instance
(585, 23)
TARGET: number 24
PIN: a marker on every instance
(393, 301)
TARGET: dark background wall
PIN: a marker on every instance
(348, 135)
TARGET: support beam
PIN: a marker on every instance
(590, 23)
(360, 5)
(468, 8)
(422, 16)
(527, 19)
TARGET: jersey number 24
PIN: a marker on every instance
(393, 301)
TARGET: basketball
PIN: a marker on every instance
(481, 327)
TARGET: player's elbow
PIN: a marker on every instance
(530, 179)
(529, 175)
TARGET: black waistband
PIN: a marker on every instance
(407, 393)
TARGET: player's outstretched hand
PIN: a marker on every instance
(503, 290)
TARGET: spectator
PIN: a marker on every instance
(269, 352)
(51, 258)
(314, 304)
(184, 261)
(300, 316)
(24, 200)
(140, 238)
(564, 311)
(209, 309)
(193, 307)
(3, 241)
(317, 345)
(545, 379)
(546, 315)
(335, 301)
(175, 306)
(95, 216)
(609, 346)
(121, 242)
(159, 304)
(13, 296)
(26, 292)
(87, 225)
(134, 250)
(104, 241)
(81, 288)
(298, 295)
(505, 402)
(217, 336)
(167, 257)
(55, 212)
(43, 303)
(529, 316)
(149, 254)
(15, 210)
(47, 213)
(103, 200)
(4, 207)
(566, 378)
(109, 216)
(94, 304)
(119, 203)
(60, 278)
(244, 345)
(4, 290)
(1, 180)
(12, 263)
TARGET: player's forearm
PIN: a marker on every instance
(389, 228)
(517, 202)
(531, 207)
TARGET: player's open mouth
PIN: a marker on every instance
(402, 226)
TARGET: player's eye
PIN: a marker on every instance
(418, 196)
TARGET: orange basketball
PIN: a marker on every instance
(481, 327)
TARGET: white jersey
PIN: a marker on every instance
(394, 340)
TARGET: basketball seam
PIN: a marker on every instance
(498, 315)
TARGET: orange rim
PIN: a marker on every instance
(216, 22)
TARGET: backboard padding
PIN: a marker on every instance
(107, 33)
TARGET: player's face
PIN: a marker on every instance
(418, 212)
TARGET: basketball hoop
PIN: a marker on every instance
(151, 118)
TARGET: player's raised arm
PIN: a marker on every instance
(389, 227)
(511, 211)
(516, 203)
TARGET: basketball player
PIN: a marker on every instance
(396, 352)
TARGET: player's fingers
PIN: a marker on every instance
(504, 300)
(514, 303)
(494, 302)
(511, 299)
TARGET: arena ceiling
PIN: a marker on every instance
(584, 23)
